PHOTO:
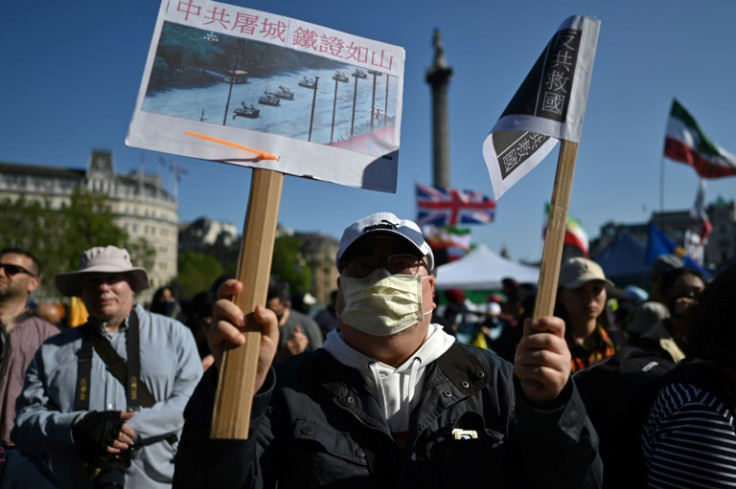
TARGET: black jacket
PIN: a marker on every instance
(314, 424)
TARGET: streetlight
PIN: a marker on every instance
(239, 45)
(306, 83)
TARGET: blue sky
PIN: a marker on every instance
(71, 73)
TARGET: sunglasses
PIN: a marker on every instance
(11, 270)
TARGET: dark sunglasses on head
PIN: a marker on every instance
(11, 270)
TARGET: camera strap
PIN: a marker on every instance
(127, 373)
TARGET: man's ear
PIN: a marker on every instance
(133, 283)
(432, 283)
(339, 299)
(33, 284)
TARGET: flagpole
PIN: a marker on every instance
(661, 194)
(549, 270)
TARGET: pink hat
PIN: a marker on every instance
(108, 259)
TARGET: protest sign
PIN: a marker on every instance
(235, 85)
(328, 104)
(549, 105)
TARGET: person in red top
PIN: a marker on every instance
(581, 302)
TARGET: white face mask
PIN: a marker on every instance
(382, 304)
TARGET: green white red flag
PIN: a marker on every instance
(453, 241)
(549, 105)
(686, 143)
(698, 213)
(575, 235)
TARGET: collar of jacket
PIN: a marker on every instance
(466, 372)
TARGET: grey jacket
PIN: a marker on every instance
(314, 424)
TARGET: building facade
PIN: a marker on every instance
(138, 202)
(319, 253)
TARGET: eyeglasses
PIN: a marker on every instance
(363, 265)
(11, 270)
(687, 293)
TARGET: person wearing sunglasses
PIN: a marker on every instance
(391, 400)
(681, 288)
(21, 333)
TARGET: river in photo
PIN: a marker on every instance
(291, 118)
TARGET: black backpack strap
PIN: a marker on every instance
(138, 393)
(127, 373)
(84, 369)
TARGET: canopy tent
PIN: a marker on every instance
(623, 261)
(628, 261)
(482, 269)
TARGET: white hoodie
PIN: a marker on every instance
(394, 388)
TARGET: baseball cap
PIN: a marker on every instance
(647, 315)
(101, 259)
(493, 308)
(636, 294)
(579, 271)
(384, 223)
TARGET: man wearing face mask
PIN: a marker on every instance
(392, 400)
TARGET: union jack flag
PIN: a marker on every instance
(450, 207)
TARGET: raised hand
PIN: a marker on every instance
(297, 342)
(542, 361)
(228, 322)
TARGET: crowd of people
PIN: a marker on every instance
(391, 384)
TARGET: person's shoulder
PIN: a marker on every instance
(296, 317)
(468, 361)
(631, 364)
(160, 324)
(63, 337)
(144, 313)
(300, 316)
(645, 315)
(42, 327)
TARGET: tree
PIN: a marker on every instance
(288, 263)
(58, 237)
(197, 272)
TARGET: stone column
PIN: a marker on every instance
(438, 77)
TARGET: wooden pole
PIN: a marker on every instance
(549, 271)
(236, 385)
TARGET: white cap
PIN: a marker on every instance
(385, 223)
(493, 309)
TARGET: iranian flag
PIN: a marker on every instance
(449, 243)
(575, 235)
(685, 142)
(698, 213)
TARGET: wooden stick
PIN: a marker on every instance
(549, 271)
(236, 385)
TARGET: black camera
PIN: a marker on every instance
(110, 478)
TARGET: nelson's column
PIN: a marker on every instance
(438, 77)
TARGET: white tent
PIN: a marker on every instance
(482, 269)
